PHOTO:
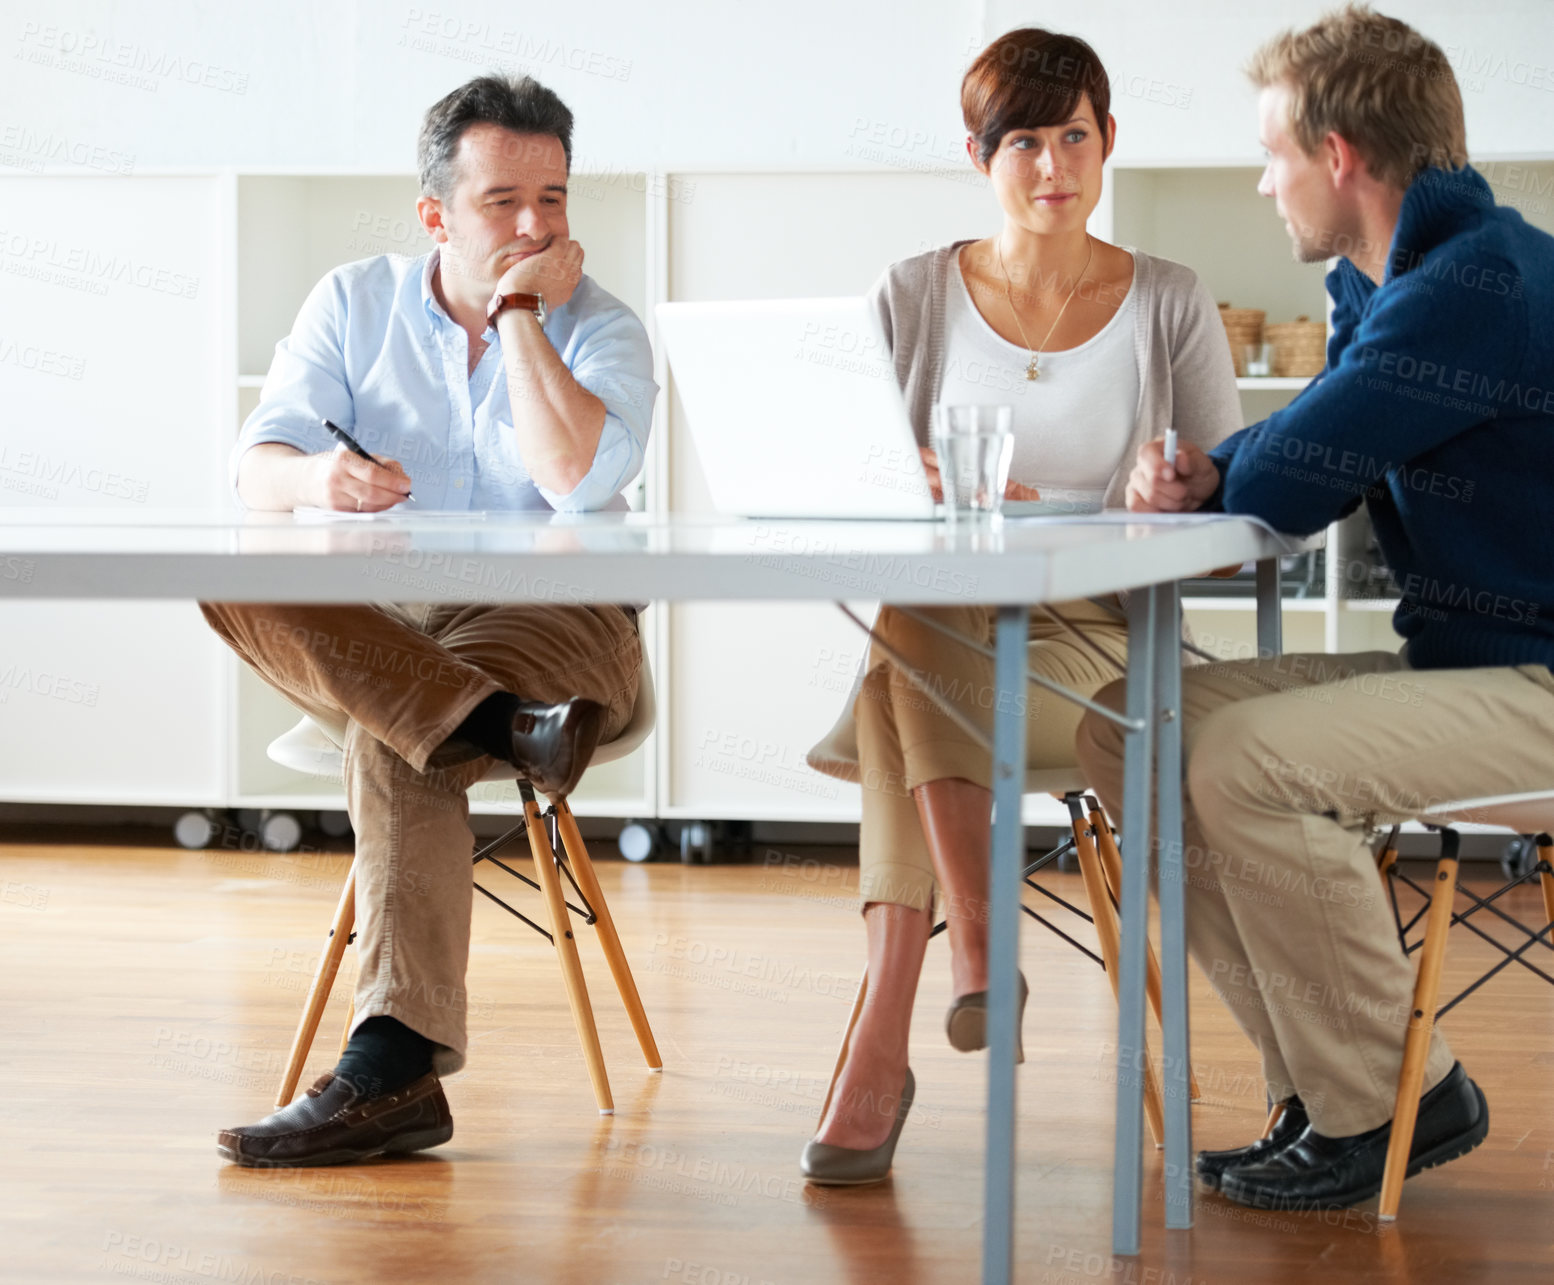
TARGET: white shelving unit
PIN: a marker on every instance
(180, 721)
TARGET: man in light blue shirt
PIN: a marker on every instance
(376, 351)
(489, 374)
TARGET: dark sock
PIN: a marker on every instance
(489, 725)
(384, 1054)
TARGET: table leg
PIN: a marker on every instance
(1270, 609)
(1177, 1089)
(1132, 1052)
(1013, 637)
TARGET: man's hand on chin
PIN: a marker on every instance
(553, 272)
(1157, 487)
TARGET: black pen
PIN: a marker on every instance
(355, 447)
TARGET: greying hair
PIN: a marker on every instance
(517, 103)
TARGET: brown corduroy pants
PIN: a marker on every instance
(390, 683)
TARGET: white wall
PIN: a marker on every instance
(320, 84)
(1179, 92)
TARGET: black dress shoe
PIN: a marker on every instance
(552, 744)
(1211, 1165)
(1315, 1172)
(333, 1124)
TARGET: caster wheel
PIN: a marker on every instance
(337, 825)
(696, 843)
(280, 831)
(1519, 858)
(194, 830)
(636, 842)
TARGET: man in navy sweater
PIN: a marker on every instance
(1436, 409)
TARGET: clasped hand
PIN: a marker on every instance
(552, 272)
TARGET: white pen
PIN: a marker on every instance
(1169, 450)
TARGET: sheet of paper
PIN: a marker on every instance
(310, 514)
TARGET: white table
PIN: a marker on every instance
(635, 558)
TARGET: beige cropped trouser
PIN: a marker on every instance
(905, 739)
(390, 683)
(1289, 764)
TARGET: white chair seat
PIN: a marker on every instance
(1531, 813)
(1056, 780)
(310, 749)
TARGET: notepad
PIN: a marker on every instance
(308, 513)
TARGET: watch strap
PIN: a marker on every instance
(500, 303)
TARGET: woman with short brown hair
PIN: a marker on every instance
(1099, 349)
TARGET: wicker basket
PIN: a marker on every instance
(1242, 326)
(1299, 347)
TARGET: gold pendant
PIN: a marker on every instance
(1031, 371)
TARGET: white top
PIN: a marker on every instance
(1073, 423)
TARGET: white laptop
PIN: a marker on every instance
(794, 408)
(796, 413)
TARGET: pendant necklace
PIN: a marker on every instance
(1033, 370)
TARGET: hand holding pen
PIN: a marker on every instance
(356, 480)
(1171, 477)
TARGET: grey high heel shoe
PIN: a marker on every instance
(966, 1022)
(829, 1166)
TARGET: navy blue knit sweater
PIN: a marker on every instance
(1436, 408)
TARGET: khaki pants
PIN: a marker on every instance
(904, 739)
(1289, 762)
(391, 682)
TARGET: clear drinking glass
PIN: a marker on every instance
(974, 445)
(1257, 359)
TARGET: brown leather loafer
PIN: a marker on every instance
(552, 744)
(334, 1125)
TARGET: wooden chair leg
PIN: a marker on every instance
(1275, 1114)
(350, 1016)
(609, 939)
(1416, 1044)
(847, 1037)
(1546, 855)
(1108, 931)
(1388, 857)
(566, 949)
(323, 983)
(1111, 864)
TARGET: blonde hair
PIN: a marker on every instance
(1376, 82)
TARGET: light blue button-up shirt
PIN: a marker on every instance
(374, 351)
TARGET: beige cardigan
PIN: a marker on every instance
(1187, 381)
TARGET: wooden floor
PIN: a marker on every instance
(149, 996)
